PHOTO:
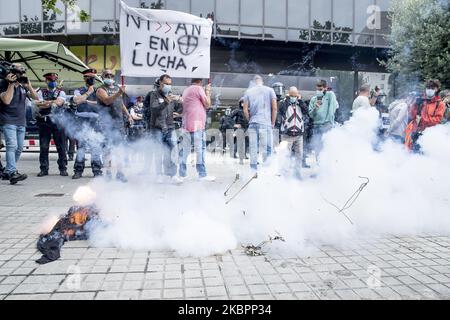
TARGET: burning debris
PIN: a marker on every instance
(252, 250)
(68, 228)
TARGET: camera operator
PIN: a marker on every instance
(14, 90)
(85, 100)
(51, 100)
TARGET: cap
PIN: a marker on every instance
(52, 76)
(90, 72)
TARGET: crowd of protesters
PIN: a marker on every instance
(99, 121)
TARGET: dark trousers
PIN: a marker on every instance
(72, 143)
(47, 131)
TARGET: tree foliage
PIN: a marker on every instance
(50, 5)
(420, 40)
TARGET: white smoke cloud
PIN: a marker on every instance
(407, 194)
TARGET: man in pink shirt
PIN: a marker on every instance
(196, 101)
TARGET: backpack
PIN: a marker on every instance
(293, 124)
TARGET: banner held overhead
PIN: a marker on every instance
(153, 42)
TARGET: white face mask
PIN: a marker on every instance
(430, 93)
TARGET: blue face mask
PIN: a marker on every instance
(108, 82)
(293, 99)
(166, 89)
(52, 84)
(319, 93)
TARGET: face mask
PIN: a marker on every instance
(90, 82)
(293, 99)
(166, 89)
(430, 92)
(52, 85)
(319, 93)
(108, 82)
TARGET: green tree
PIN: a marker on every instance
(420, 42)
(50, 5)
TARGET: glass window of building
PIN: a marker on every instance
(50, 14)
(343, 21)
(252, 12)
(364, 13)
(251, 32)
(227, 11)
(103, 9)
(275, 13)
(202, 8)
(385, 25)
(298, 35)
(10, 15)
(343, 14)
(275, 34)
(31, 10)
(177, 5)
(298, 14)
(74, 24)
(321, 14)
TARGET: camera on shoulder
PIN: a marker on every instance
(7, 67)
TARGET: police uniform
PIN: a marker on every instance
(88, 134)
(48, 129)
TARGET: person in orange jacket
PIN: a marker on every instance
(430, 110)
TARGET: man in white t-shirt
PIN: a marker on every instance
(362, 100)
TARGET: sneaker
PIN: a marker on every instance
(77, 175)
(121, 177)
(42, 173)
(176, 180)
(207, 178)
(16, 177)
(63, 173)
(70, 158)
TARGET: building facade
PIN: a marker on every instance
(340, 39)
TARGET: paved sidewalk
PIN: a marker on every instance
(388, 267)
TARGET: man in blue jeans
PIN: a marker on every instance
(196, 101)
(163, 105)
(260, 108)
(13, 94)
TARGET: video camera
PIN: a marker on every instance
(7, 67)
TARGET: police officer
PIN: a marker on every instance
(51, 101)
(85, 100)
